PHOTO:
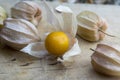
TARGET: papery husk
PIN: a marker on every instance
(27, 10)
(17, 33)
(89, 26)
(36, 49)
(106, 59)
(3, 16)
(62, 8)
(66, 23)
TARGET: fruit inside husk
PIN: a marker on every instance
(57, 43)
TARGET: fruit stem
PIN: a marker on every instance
(57, 62)
(92, 49)
(106, 33)
(61, 57)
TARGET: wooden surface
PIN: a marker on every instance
(40, 70)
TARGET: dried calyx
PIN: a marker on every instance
(3, 16)
(66, 23)
(106, 59)
(91, 27)
(17, 33)
(27, 10)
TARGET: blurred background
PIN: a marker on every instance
(112, 2)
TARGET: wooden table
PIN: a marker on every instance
(11, 69)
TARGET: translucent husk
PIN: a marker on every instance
(66, 22)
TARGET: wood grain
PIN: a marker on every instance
(40, 70)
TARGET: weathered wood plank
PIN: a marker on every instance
(40, 70)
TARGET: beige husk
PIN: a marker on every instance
(3, 16)
(90, 26)
(66, 22)
(106, 59)
(27, 10)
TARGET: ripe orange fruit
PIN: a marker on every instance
(57, 43)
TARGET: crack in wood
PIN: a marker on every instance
(26, 64)
(55, 63)
(14, 59)
(3, 73)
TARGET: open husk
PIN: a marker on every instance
(106, 59)
(27, 10)
(91, 26)
(66, 23)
